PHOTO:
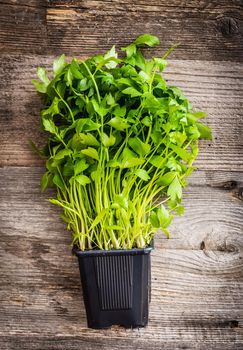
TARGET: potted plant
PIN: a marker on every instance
(121, 143)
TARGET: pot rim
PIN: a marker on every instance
(99, 252)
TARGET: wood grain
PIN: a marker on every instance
(22, 26)
(196, 290)
(197, 278)
(213, 211)
(214, 87)
(207, 30)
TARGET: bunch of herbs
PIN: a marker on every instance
(121, 143)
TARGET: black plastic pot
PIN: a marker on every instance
(116, 286)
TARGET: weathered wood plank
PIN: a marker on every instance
(196, 299)
(207, 30)
(88, 343)
(23, 26)
(215, 87)
(213, 211)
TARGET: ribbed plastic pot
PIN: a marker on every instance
(116, 286)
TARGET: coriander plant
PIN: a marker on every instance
(121, 143)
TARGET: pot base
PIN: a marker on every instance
(116, 286)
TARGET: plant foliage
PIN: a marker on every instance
(121, 144)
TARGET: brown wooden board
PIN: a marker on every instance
(23, 26)
(197, 279)
(213, 211)
(213, 87)
(207, 30)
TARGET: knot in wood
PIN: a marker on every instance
(229, 26)
(239, 193)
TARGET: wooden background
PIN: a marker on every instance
(197, 276)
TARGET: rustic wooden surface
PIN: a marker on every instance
(197, 275)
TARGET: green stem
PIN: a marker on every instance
(93, 79)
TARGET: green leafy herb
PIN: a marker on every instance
(120, 144)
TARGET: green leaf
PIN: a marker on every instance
(182, 153)
(194, 132)
(86, 124)
(69, 77)
(132, 162)
(164, 217)
(99, 109)
(114, 164)
(175, 189)
(151, 102)
(166, 179)
(89, 140)
(111, 56)
(178, 137)
(154, 220)
(144, 76)
(83, 84)
(147, 39)
(110, 99)
(59, 64)
(91, 152)
(120, 201)
(173, 165)
(139, 61)
(58, 182)
(68, 168)
(142, 174)
(118, 123)
(205, 131)
(119, 111)
(96, 174)
(199, 115)
(108, 140)
(132, 92)
(75, 70)
(45, 180)
(180, 210)
(161, 63)
(40, 87)
(82, 179)
(42, 75)
(138, 146)
(63, 153)
(166, 232)
(80, 166)
(98, 218)
(53, 109)
(157, 161)
(146, 121)
(124, 81)
(49, 126)
(130, 50)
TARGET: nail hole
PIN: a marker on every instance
(202, 245)
(234, 324)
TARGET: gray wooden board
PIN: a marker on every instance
(207, 30)
(214, 87)
(213, 210)
(197, 279)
